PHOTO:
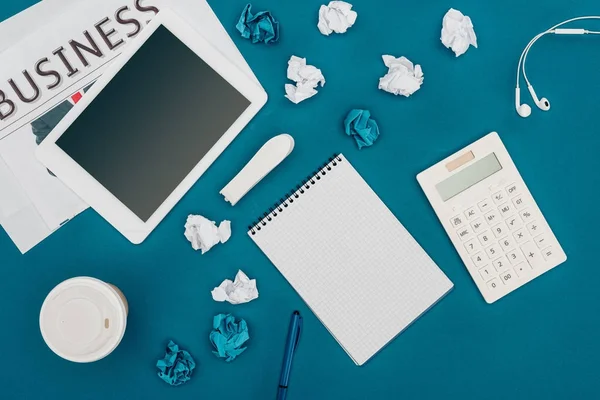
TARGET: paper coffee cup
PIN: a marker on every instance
(83, 319)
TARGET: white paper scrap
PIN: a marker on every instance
(307, 77)
(336, 17)
(402, 77)
(204, 233)
(457, 32)
(242, 290)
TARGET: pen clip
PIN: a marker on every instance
(300, 323)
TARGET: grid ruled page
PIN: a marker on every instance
(352, 262)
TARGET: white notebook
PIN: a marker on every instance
(350, 259)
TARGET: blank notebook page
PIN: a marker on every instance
(351, 260)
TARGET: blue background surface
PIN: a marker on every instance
(539, 342)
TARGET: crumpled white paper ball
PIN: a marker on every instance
(336, 17)
(457, 32)
(307, 78)
(402, 78)
(203, 233)
(242, 290)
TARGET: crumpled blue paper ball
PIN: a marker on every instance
(228, 336)
(177, 366)
(260, 27)
(362, 127)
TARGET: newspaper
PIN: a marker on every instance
(21, 25)
(45, 74)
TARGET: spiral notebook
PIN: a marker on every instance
(350, 259)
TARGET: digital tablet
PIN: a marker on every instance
(151, 125)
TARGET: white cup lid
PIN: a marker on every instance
(83, 319)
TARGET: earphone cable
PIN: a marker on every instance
(525, 53)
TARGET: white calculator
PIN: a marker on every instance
(491, 217)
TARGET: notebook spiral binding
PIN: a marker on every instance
(295, 193)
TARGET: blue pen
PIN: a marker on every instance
(288, 356)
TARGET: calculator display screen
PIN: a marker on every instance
(468, 177)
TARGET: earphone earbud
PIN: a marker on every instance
(543, 103)
(522, 109)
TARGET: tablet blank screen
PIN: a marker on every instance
(150, 126)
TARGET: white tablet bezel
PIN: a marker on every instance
(96, 195)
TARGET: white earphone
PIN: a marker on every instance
(524, 110)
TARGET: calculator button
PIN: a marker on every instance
(520, 235)
(513, 189)
(464, 233)
(499, 197)
(515, 256)
(493, 251)
(518, 202)
(541, 240)
(500, 264)
(492, 217)
(500, 229)
(472, 246)
(532, 255)
(487, 272)
(456, 221)
(548, 253)
(534, 228)
(522, 269)
(508, 277)
(485, 205)
(478, 225)
(506, 210)
(493, 284)
(485, 238)
(514, 222)
(526, 215)
(507, 243)
(479, 259)
(470, 213)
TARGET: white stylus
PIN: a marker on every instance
(264, 161)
